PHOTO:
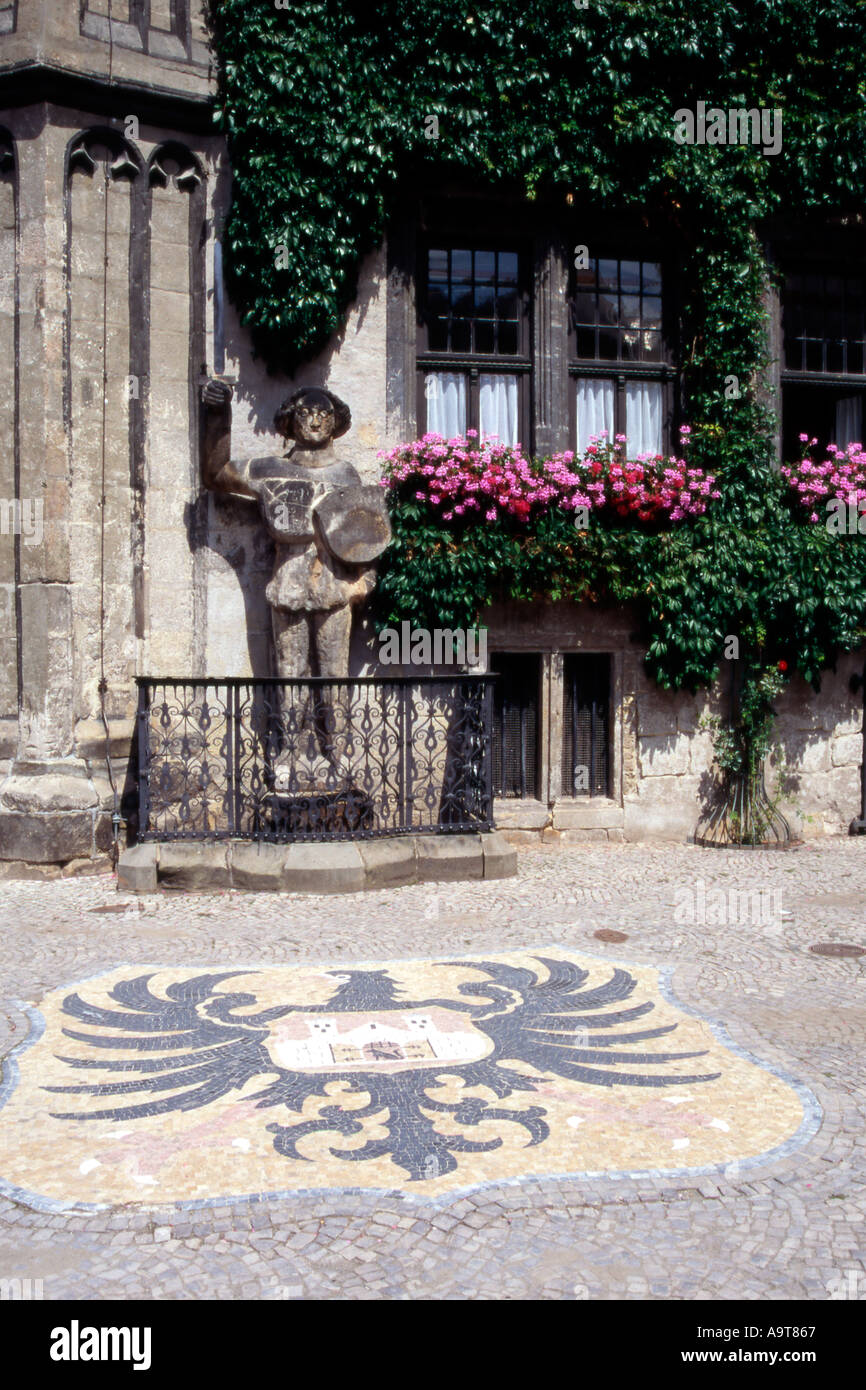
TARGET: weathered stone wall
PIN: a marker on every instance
(112, 316)
(162, 45)
(821, 737)
(662, 760)
(138, 568)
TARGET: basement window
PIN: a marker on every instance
(515, 724)
(586, 725)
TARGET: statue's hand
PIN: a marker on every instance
(363, 586)
(216, 394)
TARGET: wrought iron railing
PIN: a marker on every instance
(314, 758)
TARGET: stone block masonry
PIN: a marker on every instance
(112, 314)
(314, 866)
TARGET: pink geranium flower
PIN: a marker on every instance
(839, 477)
(447, 475)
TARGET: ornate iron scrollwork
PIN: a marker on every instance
(314, 759)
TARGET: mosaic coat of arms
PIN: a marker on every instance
(182, 1085)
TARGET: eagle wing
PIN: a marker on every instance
(191, 1050)
(559, 1025)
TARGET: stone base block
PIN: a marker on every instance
(521, 815)
(256, 868)
(84, 868)
(47, 838)
(51, 813)
(64, 785)
(592, 814)
(330, 866)
(323, 867)
(137, 869)
(198, 867)
(60, 793)
(500, 858)
(449, 858)
(17, 868)
(522, 839)
(388, 863)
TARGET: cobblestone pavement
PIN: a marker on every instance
(792, 1228)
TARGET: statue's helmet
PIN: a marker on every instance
(284, 420)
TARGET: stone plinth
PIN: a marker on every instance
(320, 866)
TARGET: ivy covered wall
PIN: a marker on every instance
(325, 105)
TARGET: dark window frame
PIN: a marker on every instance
(599, 677)
(530, 776)
(475, 364)
(826, 387)
(622, 370)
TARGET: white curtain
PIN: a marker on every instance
(595, 398)
(643, 417)
(446, 403)
(497, 407)
(849, 421)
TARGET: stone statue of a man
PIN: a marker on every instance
(326, 526)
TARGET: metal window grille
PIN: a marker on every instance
(515, 724)
(824, 323)
(616, 311)
(586, 725)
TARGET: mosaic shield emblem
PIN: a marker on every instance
(186, 1085)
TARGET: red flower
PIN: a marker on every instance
(783, 665)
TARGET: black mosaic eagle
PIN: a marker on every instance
(194, 1047)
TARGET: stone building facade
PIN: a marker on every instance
(116, 562)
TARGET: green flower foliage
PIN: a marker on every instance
(324, 106)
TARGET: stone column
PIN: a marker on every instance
(49, 807)
(552, 708)
(401, 373)
(175, 635)
(10, 516)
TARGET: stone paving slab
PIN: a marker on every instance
(790, 1226)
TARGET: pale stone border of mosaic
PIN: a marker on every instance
(808, 1128)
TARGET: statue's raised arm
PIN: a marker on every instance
(217, 469)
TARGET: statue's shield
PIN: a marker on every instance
(354, 522)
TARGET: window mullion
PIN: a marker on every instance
(472, 398)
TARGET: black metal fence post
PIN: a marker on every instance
(487, 753)
(143, 716)
(236, 730)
